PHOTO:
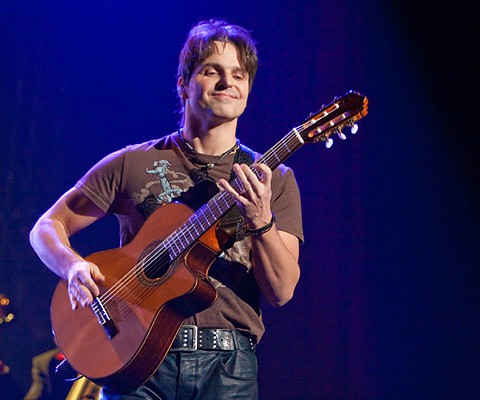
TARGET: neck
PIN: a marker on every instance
(210, 140)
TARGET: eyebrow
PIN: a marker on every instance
(220, 66)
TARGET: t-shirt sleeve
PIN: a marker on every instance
(286, 203)
(103, 181)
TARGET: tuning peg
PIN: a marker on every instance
(354, 129)
(329, 143)
(341, 135)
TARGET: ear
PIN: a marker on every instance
(181, 89)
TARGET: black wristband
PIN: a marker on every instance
(263, 229)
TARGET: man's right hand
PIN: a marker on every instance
(83, 280)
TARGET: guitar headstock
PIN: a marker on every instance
(342, 112)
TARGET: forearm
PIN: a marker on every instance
(275, 253)
(50, 240)
(276, 266)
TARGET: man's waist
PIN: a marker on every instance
(192, 338)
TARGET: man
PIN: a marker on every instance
(217, 67)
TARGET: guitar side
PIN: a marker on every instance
(146, 313)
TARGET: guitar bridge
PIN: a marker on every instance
(104, 318)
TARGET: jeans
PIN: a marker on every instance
(200, 375)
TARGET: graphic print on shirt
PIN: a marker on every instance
(167, 186)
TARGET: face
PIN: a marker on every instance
(218, 89)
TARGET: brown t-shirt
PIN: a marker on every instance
(134, 181)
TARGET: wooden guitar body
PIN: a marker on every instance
(146, 312)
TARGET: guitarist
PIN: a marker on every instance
(216, 71)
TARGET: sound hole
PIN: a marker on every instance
(155, 263)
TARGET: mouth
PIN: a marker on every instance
(222, 95)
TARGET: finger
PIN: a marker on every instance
(266, 172)
(78, 297)
(86, 296)
(90, 286)
(258, 176)
(246, 185)
(97, 275)
(225, 185)
(236, 194)
(73, 301)
(240, 198)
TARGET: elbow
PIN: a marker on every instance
(37, 232)
(279, 300)
(33, 235)
(281, 294)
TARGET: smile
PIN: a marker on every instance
(224, 96)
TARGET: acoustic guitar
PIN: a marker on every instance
(160, 278)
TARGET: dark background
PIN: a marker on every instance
(387, 306)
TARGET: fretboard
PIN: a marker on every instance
(207, 215)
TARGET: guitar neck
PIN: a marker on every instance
(207, 215)
(330, 119)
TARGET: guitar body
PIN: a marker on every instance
(147, 313)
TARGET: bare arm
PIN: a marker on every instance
(275, 261)
(275, 253)
(50, 240)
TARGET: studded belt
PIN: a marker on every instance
(191, 338)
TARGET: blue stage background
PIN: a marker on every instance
(388, 303)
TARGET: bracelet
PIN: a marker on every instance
(263, 229)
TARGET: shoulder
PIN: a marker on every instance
(164, 143)
(138, 150)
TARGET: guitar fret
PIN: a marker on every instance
(218, 207)
(175, 243)
(226, 203)
(202, 214)
(285, 145)
(168, 245)
(278, 158)
(185, 240)
(297, 135)
(189, 231)
(213, 216)
(195, 229)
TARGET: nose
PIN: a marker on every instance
(226, 81)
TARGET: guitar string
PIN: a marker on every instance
(272, 152)
(160, 253)
(156, 254)
(142, 291)
(150, 262)
(175, 237)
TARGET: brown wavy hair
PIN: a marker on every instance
(200, 45)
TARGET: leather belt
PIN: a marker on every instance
(191, 338)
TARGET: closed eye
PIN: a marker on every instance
(210, 72)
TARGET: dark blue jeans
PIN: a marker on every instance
(201, 375)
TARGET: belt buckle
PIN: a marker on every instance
(185, 339)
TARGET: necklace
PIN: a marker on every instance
(195, 154)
